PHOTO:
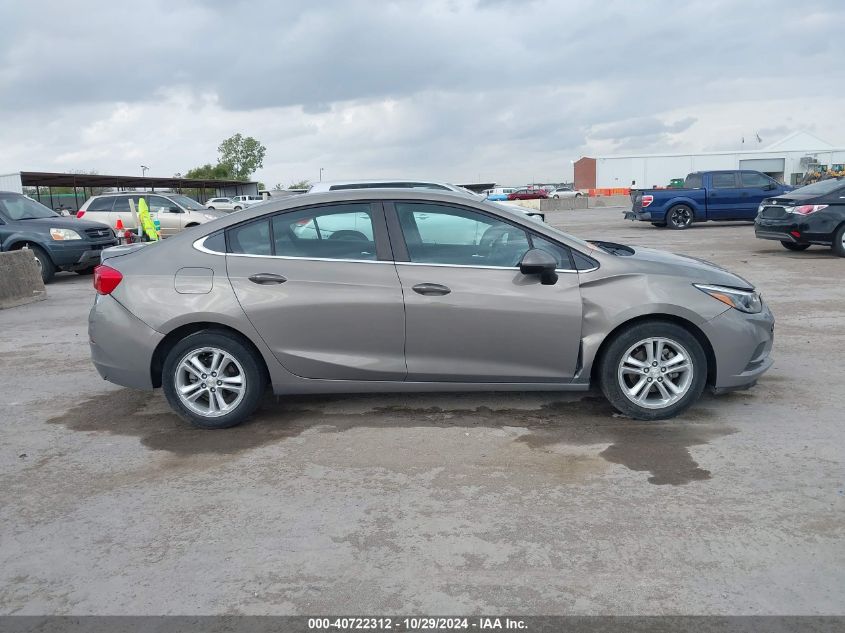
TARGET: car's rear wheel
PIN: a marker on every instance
(238, 208)
(838, 245)
(679, 217)
(213, 380)
(792, 246)
(210, 208)
(45, 265)
(556, 197)
(653, 370)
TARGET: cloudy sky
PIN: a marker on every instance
(457, 90)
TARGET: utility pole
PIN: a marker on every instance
(144, 170)
(321, 174)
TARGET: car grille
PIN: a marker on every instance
(99, 234)
(773, 213)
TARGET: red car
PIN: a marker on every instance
(528, 194)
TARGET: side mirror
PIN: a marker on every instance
(539, 262)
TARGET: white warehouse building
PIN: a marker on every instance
(786, 160)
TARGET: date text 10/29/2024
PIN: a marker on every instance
(415, 624)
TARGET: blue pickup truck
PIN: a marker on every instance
(706, 195)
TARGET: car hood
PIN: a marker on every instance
(62, 222)
(698, 270)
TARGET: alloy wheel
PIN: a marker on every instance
(210, 382)
(681, 217)
(655, 373)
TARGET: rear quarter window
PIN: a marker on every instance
(100, 204)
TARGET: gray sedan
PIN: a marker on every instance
(398, 290)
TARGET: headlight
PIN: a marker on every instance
(64, 234)
(743, 300)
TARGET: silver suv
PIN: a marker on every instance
(174, 211)
(396, 290)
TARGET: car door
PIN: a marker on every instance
(320, 286)
(470, 314)
(724, 199)
(121, 211)
(755, 187)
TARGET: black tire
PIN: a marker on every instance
(238, 208)
(613, 355)
(253, 371)
(556, 197)
(838, 245)
(679, 217)
(210, 208)
(45, 264)
(86, 271)
(659, 225)
(792, 246)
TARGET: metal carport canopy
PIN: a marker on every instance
(50, 179)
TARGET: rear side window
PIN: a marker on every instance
(342, 231)
(693, 181)
(100, 204)
(251, 239)
(724, 181)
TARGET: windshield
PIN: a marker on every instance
(187, 203)
(822, 187)
(17, 207)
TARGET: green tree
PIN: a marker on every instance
(210, 172)
(242, 155)
(302, 184)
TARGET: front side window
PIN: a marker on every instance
(560, 253)
(753, 179)
(442, 234)
(157, 204)
(724, 181)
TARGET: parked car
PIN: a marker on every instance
(527, 193)
(247, 200)
(174, 211)
(814, 214)
(417, 291)
(499, 193)
(58, 243)
(707, 195)
(224, 204)
(322, 187)
(564, 192)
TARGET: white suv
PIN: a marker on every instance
(174, 211)
(224, 204)
(247, 200)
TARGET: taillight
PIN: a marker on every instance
(807, 209)
(106, 279)
(79, 214)
(647, 200)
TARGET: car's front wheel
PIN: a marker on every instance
(792, 246)
(679, 217)
(45, 265)
(213, 379)
(653, 370)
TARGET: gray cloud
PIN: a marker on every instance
(443, 87)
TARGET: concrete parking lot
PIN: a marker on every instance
(449, 504)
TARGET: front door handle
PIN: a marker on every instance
(265, 279)
(431, 290)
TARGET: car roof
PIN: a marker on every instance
(137, 193)
(326, 185)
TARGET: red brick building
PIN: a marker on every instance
(585, 173)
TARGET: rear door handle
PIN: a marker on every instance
(431, 290)
(267, 278)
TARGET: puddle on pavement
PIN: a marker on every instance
(659, 448)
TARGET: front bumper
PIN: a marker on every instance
(70, 256)
(122, 345)
(742, 344)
